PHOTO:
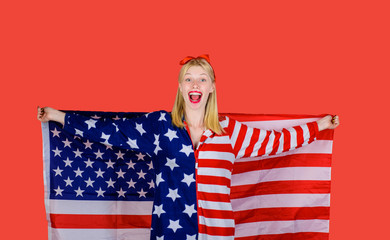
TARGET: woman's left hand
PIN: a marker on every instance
(328, 122)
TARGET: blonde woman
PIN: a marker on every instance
(193, 151)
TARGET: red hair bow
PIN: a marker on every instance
(189, 58)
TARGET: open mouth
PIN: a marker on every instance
(195, 96)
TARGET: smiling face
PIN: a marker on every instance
(196, 87)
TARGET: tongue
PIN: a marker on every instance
(195, 97)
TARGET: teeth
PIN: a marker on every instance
(195, 93)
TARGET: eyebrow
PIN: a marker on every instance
(199, 74)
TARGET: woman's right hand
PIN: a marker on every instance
(50, 114)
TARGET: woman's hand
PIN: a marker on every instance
(50, 114)
(328, 122)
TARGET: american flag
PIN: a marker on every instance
(96, 191)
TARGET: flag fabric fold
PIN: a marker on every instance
(96, 191)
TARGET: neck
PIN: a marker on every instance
(195, 118)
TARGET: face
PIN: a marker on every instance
(196, 87)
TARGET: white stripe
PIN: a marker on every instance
(235, 133)
(282, 200)
(245, 143)
(281, 227)
(203, 236)
(46, 167)
(281, 143)
(99, 234)
(293, 138)
(257, 146)
(282, 174)
(216, 155)
(216, 222)
(318, 146)
(101, 207)
(217, 172)
(211, 188)
(214, 205)
(224, 123)
(279, 124)
(306, 132)
(218, 140)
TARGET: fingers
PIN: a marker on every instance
(335, 121)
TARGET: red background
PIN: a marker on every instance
(301, 57)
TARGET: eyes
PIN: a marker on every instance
(189, 80)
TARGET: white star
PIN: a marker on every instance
(89, 182)
(78, 153)
(110, 164)
(88, 144)
(131, 183)
(99, 154)
(191, 237)
(55, 132)
(91, 123)
(79, 172)
(119, 154)
(59, 191)
(189, 209)
(188, 179)
(159, 179)
(150, 165)
(171, 163)
(68, 182)
(140, 156)
(174, 225)
(187, 149)
(58, 171)
(158, 210)
(57, 152)
(142, 193)
(116, 118)
(131, 165)
(100, 192)
(171, 134)
(79, 132)
(132, 143)
(99, 173)
(173, 194)
(110, 183)
(160, 238)
(79, 192)
(120, 174)
(162, 117)
(157, 143)
(68, 162)
(105, 137)
(95, 117)
(89, 163)
(116, 127)
(141, 174)
(151, 184)
(67, 143)
(121, 193)
(139, 128)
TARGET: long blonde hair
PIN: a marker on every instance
(211, 118)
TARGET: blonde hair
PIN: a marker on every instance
(211, 118)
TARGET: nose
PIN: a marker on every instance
(195, 84)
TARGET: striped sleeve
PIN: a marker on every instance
(252, 142)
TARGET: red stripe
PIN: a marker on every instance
(218, 231)
(240, 138)
(289, 236)
(242, 117)
(212, 163)
(281, 214)
(287, 140)
(295, 160)
(264, 143)
(275, 144)
(218, 147)
(215, 197)
(280, 187)
(100, 221)
(254, 139)
(208, 213)
(213, 180)
(300, 139)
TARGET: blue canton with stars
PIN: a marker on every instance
(129, 156)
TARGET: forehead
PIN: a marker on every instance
(196, 70)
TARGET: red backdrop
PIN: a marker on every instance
(304, 57)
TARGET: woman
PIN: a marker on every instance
(193, 151)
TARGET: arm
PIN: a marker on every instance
(252, 142)
(136, 134)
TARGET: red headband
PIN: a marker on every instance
(189, 58)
